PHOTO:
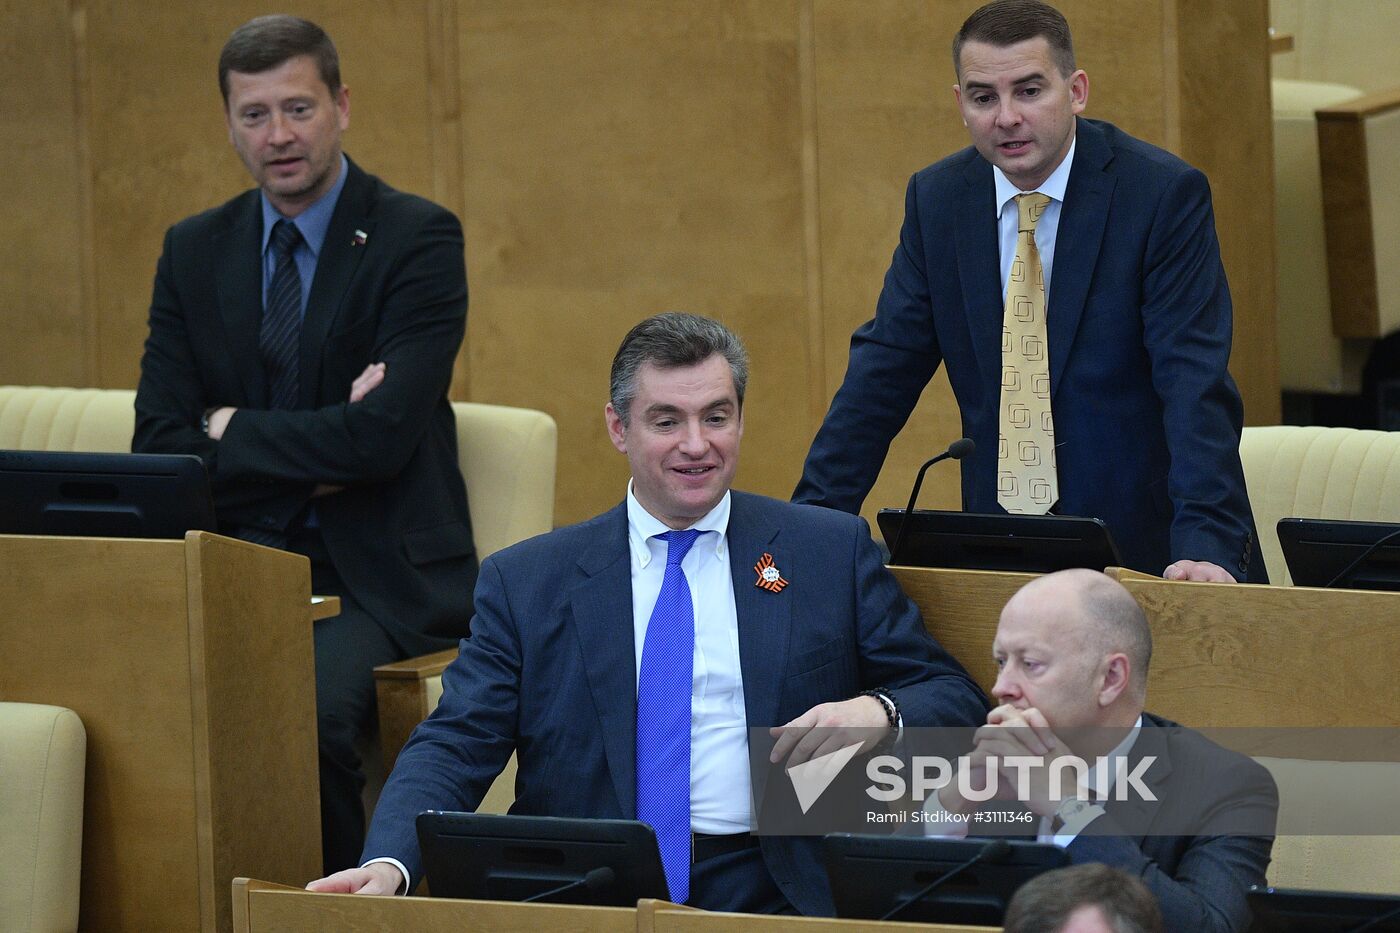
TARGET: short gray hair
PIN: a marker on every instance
(669, 341)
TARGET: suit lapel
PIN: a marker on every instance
(978, 249)
(340, 257)
(238, 273)
(1077, 242)
(602, 610)
(765, 618)
(1135, 813)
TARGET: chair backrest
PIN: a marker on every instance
(1312, 358)
(43, 418)
(43, 750)
(1312, 472)
(507, 456)
(1303, 856)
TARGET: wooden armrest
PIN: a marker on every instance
(419, 668)
(1359, 108)
(402, 692)
(324, 607)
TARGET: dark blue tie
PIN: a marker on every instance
(663, 717)
(280, 336)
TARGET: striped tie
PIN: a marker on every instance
(280, 336)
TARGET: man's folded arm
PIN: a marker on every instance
(170, 405)
(420, 327)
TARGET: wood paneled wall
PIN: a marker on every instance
(739, 158)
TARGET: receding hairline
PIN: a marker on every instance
(1105, 611)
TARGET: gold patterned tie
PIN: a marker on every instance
(1026, 447)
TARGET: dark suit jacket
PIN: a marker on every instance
(1205, 839)
(400, 534)
(1147, 418)
(550, 671)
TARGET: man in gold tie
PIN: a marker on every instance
(1070, 278)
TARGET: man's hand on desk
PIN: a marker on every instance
(1198, 571)
(862, 719)
(379, 878)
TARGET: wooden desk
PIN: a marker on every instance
(1224, 655)
(191, 665)
(260, 907)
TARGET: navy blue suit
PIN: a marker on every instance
(549, 671)
(1147, 418)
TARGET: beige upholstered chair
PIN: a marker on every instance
(507, 457)
(1312, 358)
(1302, 858)
(1336, 109)
(42, 418)
(1312, 472)
(43, 750)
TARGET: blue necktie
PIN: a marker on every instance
(663, 717)
(279, 338)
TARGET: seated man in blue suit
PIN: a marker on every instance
(624, 659)
(1073, 650)
(1069, 277)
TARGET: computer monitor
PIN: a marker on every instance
(494, 857)
(976, 541)
(1282, 910)
(1328, 552)
(105, 495)
(870, 875)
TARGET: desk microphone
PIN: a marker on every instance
(1346, 571)
(993, 851)
(960, 448)
(595, 880)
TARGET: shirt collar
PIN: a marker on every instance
(1118, 751)
(1054, 186)
(642, 526)
(313, 222)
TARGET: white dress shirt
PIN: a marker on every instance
(719, 739)
(720, 788)
(1009, 220)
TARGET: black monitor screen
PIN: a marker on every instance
(104, 495)
(497, 857)
(1354, 555)
(973, 541)
(872, 875)
(1279, 910)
